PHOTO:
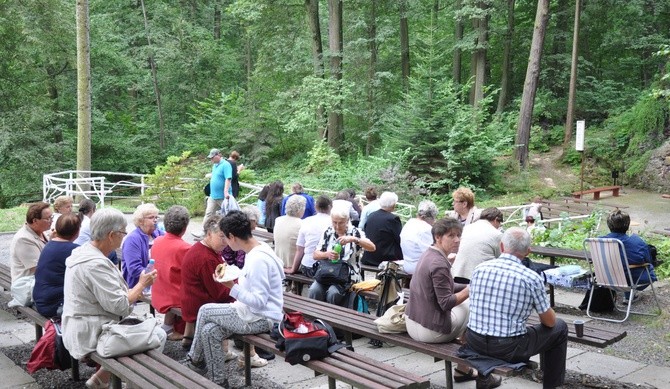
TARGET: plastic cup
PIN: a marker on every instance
(579, 328)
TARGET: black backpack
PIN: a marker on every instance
(603, 300)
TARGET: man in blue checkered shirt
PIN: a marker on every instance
(503, 294)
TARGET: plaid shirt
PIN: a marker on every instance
(503, 293)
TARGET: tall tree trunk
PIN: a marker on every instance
(312, 13)
(481, 24)
(154, 76)
(567, 136)
(458, 36)
(530, 85)
(217, 22)
(506, 79)
(83, 87)
(335, 122)
(404, 44)
(372, 73)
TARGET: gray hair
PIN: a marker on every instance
(176, 219)
(105, 221)
(516, 240)
(427, 210)
(142, 211)
(252, 212)
(295, 206)
(340, 211)
(212, 224)
(388, 200)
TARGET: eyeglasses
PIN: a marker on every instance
(50, 218)
(153, 217)
(122, 232)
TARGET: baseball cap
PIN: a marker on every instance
(213, 152)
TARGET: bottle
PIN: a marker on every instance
(149, 269)
(338, 249)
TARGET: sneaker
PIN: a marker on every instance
(267, 355)
(626, 298)
(198, 367)
(488, 382)
(256, 361)
(230, 356)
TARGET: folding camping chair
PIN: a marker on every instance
(609, 264)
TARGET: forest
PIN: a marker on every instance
(418, 95)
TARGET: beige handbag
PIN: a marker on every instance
(392, 321)
(129, 336)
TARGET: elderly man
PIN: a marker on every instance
(383, 229)
(480, 242)
(297, 190)
(219, 183)
(29, 241)
(503, 294)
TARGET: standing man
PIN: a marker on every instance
(235, 169)
(503, 294)
(219, 183)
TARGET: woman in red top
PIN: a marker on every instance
(197, 284)
(168, 251)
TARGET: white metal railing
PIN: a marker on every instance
(93, 185)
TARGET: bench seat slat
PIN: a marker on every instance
(172, 376)
(120, 370)
(170, 363)
(156, 379)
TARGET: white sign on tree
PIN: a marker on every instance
(579, 140)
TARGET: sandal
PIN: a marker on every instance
(186, 342)
(96, 383)
(461, 376)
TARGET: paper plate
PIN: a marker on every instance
(232, 273)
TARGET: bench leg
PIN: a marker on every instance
(331, 383)
(116, 382)
(247, 364)
(596, 195)
(349, 340)
(449, 374)
(75, 369)
(615, 192)
(38, 332)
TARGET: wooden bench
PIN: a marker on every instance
(596, 192)
(152, 369)
(363, 324)
(32, 315)
(343, 365)
(552, 253)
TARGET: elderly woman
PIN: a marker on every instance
(437, 311)
(416, 235)
(464, 207)
(351, 240)
(136, 246)
(95, 292)
(86, 209)
(48, 290)
(286, 229)
(62, 206)
(258, 292)
(29, 241)
(168, 251)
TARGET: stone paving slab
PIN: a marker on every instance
(653, 376)
(14, 376)
(598, 364)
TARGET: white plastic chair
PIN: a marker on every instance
(607, 259)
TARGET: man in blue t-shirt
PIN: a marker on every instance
(219, 183)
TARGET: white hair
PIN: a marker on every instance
(142, 211)
(516, 240)
(105, 221)
(388, 200)
(340, 211)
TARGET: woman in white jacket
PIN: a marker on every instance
(95, 292)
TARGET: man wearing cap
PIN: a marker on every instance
(219, 183)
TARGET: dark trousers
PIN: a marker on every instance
(551, 343)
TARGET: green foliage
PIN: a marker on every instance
(663, 246)
(569, 234)
(178, 182)
(11, 219)
(322, 158)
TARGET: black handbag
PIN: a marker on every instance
(332, 273)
